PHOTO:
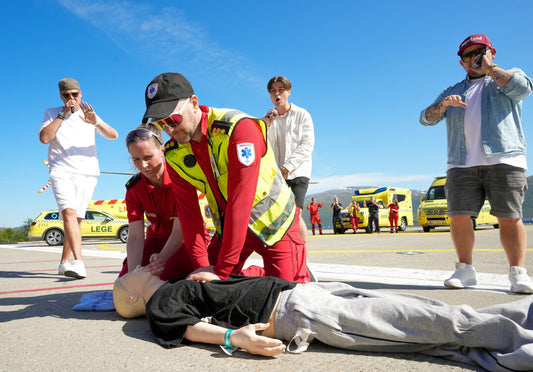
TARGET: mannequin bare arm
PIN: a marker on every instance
(245, 338)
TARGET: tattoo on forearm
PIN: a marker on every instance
(434, 112)
(501, 77)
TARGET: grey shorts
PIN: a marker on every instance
(299, 186)
(503, 185)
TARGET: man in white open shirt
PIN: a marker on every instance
(292, 137)
(70, 132)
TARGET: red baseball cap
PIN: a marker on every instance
(474, 39)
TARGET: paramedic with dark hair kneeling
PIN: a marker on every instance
(498, 337)
(224, 154)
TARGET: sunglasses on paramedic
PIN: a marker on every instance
(142, 134)
(468, 56)
(68, 95)
(173, 120)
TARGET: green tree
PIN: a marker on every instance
(11, 235)
(26, 226)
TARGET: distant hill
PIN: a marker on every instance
(345, 197)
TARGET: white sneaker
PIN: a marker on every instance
(76, 270)
(63, 266)
(520, 281)
(464, 276)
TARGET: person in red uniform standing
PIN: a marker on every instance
(150, 193)
(353, 209)
(393, 216)
(315, 218)
(172, 105)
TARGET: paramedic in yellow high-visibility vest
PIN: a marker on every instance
(224, 154)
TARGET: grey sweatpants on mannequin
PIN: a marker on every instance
(498, 338)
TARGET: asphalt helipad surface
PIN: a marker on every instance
(39, 329)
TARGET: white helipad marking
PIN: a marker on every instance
(348, 273)
(393, 275)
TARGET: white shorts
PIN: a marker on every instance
(72, 191)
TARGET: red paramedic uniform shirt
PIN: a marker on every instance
(242, 182)
(313, 208)
(159, 204)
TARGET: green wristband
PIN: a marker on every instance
(227, 341)
(60, 115)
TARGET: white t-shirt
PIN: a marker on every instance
(73, 149)
(292, 138)
(475, 155)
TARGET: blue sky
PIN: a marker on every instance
(364, 70)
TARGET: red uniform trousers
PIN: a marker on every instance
(355, 222)
(393, 221)
(286, 259)
(315, 218)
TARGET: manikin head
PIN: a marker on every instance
(127, 294)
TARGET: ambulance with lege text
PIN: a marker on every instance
(384, 196)
(117, 207)
(433, 209)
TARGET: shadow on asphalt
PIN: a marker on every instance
(319, 347)
(400, 287)
(38, 275)
(56, 305)
(139, 329)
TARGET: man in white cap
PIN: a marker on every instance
(69, 131)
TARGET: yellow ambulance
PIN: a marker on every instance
(433, 209)
(117, 207)
(384, 196)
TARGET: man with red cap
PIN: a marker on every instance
(486, 157)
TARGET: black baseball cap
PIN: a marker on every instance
(163, 93)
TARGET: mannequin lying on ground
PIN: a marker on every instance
(498, 337)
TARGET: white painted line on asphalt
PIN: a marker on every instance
(59, 249)
(398, 276)
(348, 273)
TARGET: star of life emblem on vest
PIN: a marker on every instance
(246, 153)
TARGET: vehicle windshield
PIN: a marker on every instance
(363, 203)
(435, 193)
